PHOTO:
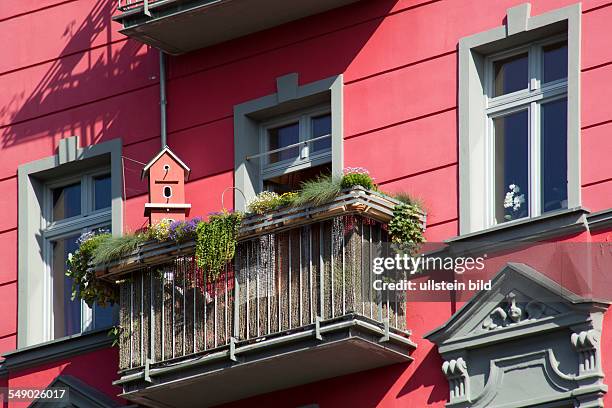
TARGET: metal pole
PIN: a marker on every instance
(162, 99)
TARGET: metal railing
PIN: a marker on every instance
(127, 5)
(279, 282)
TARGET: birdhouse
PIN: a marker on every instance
(167, 175)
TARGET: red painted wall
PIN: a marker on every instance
(67, 71)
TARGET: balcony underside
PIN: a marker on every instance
(353, 343)
(177, 27)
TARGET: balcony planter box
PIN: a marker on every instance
(358, 200)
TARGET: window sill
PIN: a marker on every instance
(57, 349)
(554, 224)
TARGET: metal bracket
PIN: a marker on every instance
(232, 349)
(147, 371)
(146, 10)
(385, 338)
(318, 321)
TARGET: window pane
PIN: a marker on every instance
(511, 166)
(66, 312)
(321, 126)
(554, 155)
(102, 192)
(66, 201)
(511, 74)
(282, 137)
(293, 181)
(105, 316)
(555, 61)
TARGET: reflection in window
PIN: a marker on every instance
(511, 74)
(293, 181)
(102, 192)
(554, 62)
(66, 201)
(67, 312)
(554, 155)
(511, 166)
(321, 126)
(283, 137)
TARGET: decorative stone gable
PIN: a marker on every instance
(526, 342)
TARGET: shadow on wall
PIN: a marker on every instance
(80, 76)
(428, 374)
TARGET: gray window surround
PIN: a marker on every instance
(32, 178)
(289, 97)
(520, 28)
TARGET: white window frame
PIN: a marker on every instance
(89, 219)
(305, 159)
(530, 98)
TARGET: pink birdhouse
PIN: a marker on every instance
(167, 175)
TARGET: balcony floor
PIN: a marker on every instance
(348, 345)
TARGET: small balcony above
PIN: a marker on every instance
(180, 26)
(296, 305)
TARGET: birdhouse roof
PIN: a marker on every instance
(166, 149)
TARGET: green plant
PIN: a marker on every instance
(407, 198)
(216, 242)
(319, 190)
(115, 332)
(405, 227)
(350, 180)
(268, 200)
(112, 248)
(85, 284)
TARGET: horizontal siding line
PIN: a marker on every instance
(400, 123)
(4, 336)
(91, 102)
(36, 10)
(605, 122)
(418, 173)
(604, 64)
(14, 176)
(8, 230)
(597, 8)
(11, 282)
(173, 132)
(302, 40)
(410, 64)
(146, 139)
(442, 222)
(594, 183)
(62, 56)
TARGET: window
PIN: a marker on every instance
(527, 133)
(295, 148)
(72, 207)
(519, 118)
(285, 138)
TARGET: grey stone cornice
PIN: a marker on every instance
(55, 350)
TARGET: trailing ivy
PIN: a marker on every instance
(216, 242)
(85, 284)
(405, 227)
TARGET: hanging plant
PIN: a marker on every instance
(405, 227)
(216, 242)
(85, 284)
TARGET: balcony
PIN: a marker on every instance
(180, 26)
(296, 306)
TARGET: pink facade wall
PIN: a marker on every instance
(69, 72)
